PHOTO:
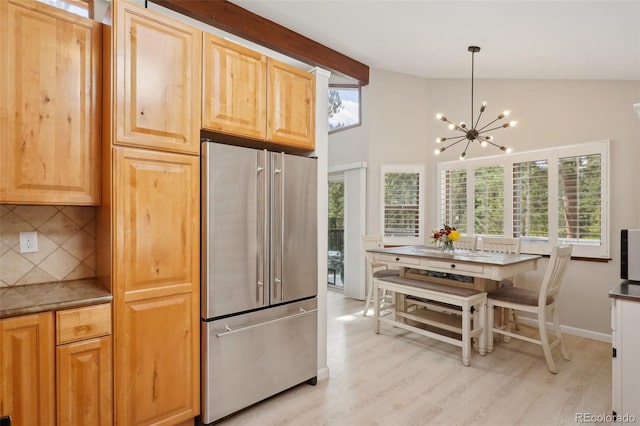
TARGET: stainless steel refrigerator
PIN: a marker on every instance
(259, 275)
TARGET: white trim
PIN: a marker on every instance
(323, 373)
(321, 151)
(355, 202)
(349, 166)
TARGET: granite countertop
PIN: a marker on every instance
(35, 298)
(629, 290)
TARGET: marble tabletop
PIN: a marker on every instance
(35, 298)
(473, 256)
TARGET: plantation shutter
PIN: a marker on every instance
(580, 199)
(402, 204)
(531, 200)
(489, 200)
(453, 199)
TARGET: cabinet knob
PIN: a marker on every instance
(453, 266)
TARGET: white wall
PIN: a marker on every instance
(401, 127)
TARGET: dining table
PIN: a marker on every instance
(485, 270)
(481, 271)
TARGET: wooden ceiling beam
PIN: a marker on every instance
(242, 23)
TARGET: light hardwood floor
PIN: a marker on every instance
(400, 378)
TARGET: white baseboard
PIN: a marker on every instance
(323, 373)
(602, 337)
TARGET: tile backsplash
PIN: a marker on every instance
(66, 244)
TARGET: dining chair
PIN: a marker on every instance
(502, 245)
(499, 244)
(375, 270)
(543, 303)
(466, 242)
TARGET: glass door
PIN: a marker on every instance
(335, 254)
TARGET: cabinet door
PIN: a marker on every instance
(291, 106)
(84, 383)
(157, 249)
(234, 92)
(50, 94)
(626, 372)
(27, 369)
(158, 73)
(157, 360)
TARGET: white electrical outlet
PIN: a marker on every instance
(28, 242)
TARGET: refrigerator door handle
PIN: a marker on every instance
(262, 224)
(249, 327)
(278, 226)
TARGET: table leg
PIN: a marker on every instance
(376, 307)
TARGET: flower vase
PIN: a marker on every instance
(447, 247)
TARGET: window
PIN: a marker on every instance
(530, 200)
(344, 107)
(454, 206)
(579, 195)
(402, 195)
(488, 191)
(546, 197)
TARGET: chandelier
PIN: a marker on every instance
(473, 133)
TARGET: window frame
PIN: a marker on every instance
(552, 155)
(411, 169)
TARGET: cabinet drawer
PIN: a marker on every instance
(455, 267)
(398, 260)
(83, 323)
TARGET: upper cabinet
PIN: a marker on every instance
(50, 76)
(249, 95)
(234, 97)
(158, 75)
(291, 105)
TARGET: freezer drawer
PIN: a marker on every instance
(250, 357)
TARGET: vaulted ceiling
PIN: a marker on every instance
(519, 39)
(543, 39)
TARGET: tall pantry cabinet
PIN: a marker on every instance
(150, 214)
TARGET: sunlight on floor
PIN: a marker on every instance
(350, 317)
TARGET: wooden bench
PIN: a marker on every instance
(429, 314)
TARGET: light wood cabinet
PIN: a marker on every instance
(249, 95)
(157, 81)
(27, 368)
(83, 365)
(234, 89)
(50, 87)
(148, 230)
(156, 280)
(291, 105)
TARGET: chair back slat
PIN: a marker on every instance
(466, 242)
(499, 244)
(554, 276)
